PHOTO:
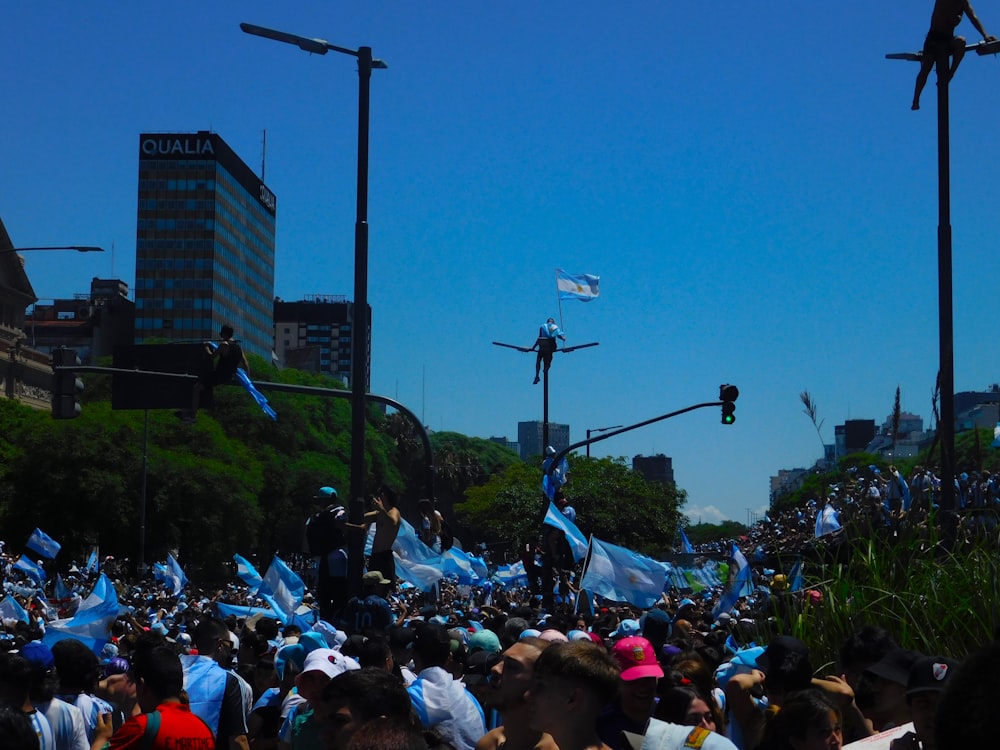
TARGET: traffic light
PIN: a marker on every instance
(66, 386)
(728, 395)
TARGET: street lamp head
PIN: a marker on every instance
(317, 46)
(78, 248)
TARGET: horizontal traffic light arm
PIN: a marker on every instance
(583, 443)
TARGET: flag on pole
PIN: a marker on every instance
(11, 609)
(92, 621)
(577, 541)
(740, 582)
(247, 573)
(175, 576)
(622, 575)
(30, 568)
(583, 287)
(686, 543)
(92, 564)
(795, 576)
(827, 521)
(41, 543)
(282, 589)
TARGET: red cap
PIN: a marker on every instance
(636, 657)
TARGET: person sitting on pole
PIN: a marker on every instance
(941, 40)
(546, 345)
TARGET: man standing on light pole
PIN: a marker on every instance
(941, 40)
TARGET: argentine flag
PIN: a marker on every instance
(622, 575)
(42, 544)
(175, 576)
(282, 589)
(247, 573)
(583, 287)
(577, 541)
(827, 522)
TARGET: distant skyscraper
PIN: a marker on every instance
(658, 468)
(204, 243)
(529, 438)
(317, 335)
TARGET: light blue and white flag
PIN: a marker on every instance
(511, 576)
(42, 544)
(740, 582)
(622, 575)
(92, 563)
(555, 480)
(686, 544)
(30, 568)
(60, 590)
(408, 545)
(282, 589)
(583, 286)
(175, 576)
(827, 521)
(92, 621)
(456, 563)
(795, 576)
(11, 609)
(247, 573)
(577, 541)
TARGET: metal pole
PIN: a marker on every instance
(142, 504)
(361, 340)
(588, 443)
(946, 372)
(545, 410)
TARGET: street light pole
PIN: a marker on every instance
(78, 248)
(361, 343)
(946, 337)
(599, 430)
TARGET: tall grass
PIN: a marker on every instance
(929, 599)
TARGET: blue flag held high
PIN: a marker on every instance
(740, 582)
(796, 582)
(175, 576)
(247, 573)
(42, 544)
(30, 568)
(827, 521)
(584, 286)
(92, 621)
(686, 544)
(282, 589)
(11, 609)
(577, 541)
(622, 575)
(92, 564)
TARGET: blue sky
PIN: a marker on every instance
(748, 182)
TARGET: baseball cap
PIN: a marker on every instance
(626, 628)
(328, 661)
(895, 666)
(484, 640)
(478, 667)
(786, 659)
(553, 636)
(327, 492)
(375, 578)
(637, 659)
(929, 674)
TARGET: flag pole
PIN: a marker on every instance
(559, 303)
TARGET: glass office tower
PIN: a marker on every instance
(204, 243)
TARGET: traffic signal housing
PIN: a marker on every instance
(728, 395)
(66, 386)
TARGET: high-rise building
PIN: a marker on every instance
(658, 468)
(529, 438)
(317, 335)
(204, 243)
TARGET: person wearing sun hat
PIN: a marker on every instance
(631, 710)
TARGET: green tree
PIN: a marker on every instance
(612, 502)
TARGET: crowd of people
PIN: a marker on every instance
(469, 667)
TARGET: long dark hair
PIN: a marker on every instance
(802, 711)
